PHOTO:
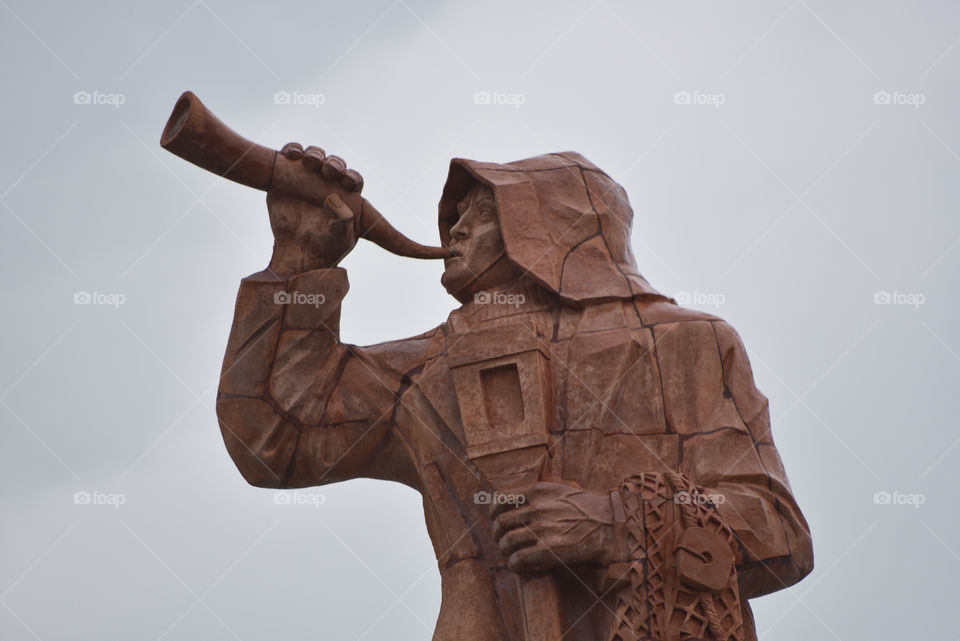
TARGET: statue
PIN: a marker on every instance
(595, 461)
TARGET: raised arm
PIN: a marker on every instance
(296, 406)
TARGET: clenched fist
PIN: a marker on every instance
(317, 231)
(558, 524)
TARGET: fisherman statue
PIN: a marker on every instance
(596, 462)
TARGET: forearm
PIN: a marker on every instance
(774, 540)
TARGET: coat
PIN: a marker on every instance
(636, 395)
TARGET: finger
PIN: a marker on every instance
(516, 539)
(546, 489)
(313, 158)
(507, 521)
(497, 508)
(335, 206)
(292, 150)
(518, 498)
(535, 558)
(352, 180)
(332, 168)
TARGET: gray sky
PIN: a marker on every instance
(780, 192)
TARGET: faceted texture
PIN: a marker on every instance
(594, 391)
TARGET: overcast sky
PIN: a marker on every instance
(794, 169)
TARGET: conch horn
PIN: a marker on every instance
(196, 135)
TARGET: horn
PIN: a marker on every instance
(193, 133)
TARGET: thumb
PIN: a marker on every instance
(338, 209)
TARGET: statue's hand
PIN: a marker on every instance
(557, 525)
(315, 233)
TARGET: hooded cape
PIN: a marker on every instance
(564, 222)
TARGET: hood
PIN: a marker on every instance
(564, 222)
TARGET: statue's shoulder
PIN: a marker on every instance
(656, 312)
(402, 355)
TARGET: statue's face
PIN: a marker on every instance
(476, 245)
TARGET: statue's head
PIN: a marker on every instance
(556, 220)
(479, 261)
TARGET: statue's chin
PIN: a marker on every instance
(453, 281)
(461, 281)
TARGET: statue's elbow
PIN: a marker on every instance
(802, 556)
(258, 474)
(764, 576)
(259, 443)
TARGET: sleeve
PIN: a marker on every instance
(757, 501)
(296, 406)
(693, 542)
(728, 469)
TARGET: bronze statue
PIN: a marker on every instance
(595, 461)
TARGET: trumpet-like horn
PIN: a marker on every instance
(196, 135)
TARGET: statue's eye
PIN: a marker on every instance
(486, 214)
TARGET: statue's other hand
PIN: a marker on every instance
(557, 524)
(318, 232)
